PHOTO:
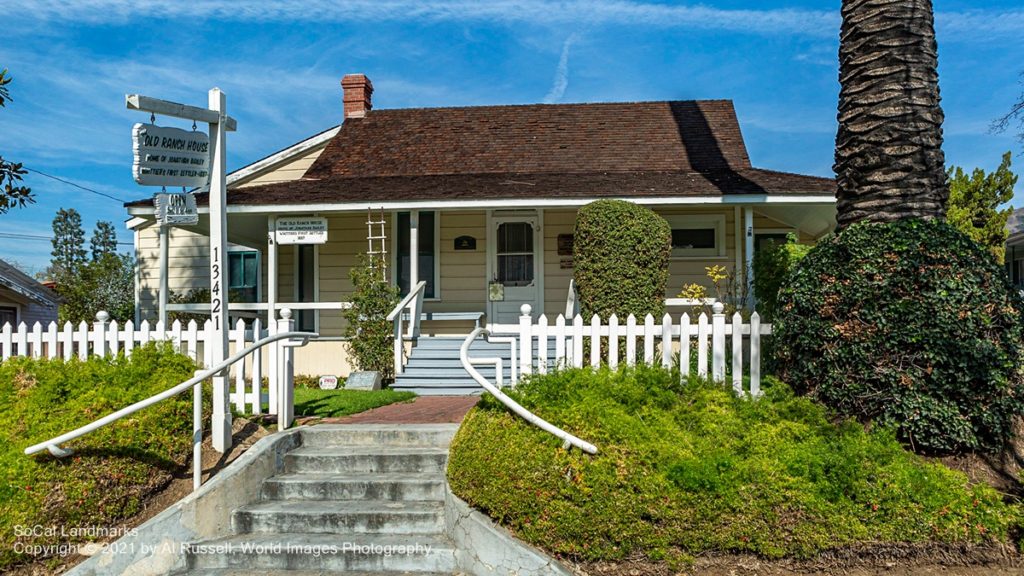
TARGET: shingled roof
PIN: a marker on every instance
(677, 148)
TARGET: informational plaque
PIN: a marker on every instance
(363, 381)
(301, 230)
(176, 209)
(328, 382)
(170, 156)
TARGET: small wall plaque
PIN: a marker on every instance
(328, 382)
(496, 292)
(565, 263)
(565, 244)
(465, 243)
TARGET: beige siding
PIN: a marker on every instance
(292, 169)
(187, 265)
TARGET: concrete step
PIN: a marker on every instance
(377, 435)
(329, 486)
(345, 517)
(271, 553)
(365, 459)
(258, 572)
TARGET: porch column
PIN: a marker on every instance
(271, 270)
(748, 251)
(414, 249)
(164, 253)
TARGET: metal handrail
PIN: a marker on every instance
(53, 445)
(530, 417)
(420, 287)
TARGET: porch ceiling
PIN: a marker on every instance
(814, 219)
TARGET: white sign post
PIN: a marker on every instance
(219, 122)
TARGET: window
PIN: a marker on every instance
(8, 315)
(305, 286)
(428, 257)
(515, 254)
(244, 276)
(697, 236)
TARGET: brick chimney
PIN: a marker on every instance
(358, 90)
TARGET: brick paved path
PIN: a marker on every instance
(422, 410)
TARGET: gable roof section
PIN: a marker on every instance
(25, 286)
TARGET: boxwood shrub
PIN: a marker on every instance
(620, 255)
(772, 264)
(909, 324)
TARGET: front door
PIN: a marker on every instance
(515, 268)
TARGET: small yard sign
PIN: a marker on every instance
(328, 382)
(176, 209)
(301, 230)
(170, 156)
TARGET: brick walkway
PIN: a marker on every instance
(422, 410)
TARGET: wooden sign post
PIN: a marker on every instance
(220, 123)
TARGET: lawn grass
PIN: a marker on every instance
(341, 402)
(689, 468)
(113, 469)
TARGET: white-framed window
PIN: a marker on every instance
(696, 236)
(244, 275)
(307, 289)
(429, 252)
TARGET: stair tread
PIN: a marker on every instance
(331, 451)
(357, 477)
(317, 507)
(435, 541)
(259, 572)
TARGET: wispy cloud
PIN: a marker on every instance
(790, 21)
(561, 81)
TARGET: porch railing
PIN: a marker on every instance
(413, 303)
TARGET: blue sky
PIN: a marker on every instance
(280, 63)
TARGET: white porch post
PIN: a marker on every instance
(164, 255)
(748, 251)
(414, 248)
(220, 430)
(271, 270)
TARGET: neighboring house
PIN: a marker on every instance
(492, 193)
(23, 299)
(1015, 247)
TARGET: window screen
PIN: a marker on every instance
(515, 254)
(694, 238)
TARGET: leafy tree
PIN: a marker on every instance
(367, 328)
(974, 203)
(104, 240)
(889, 159)
(107, 283)
(68, 253)
(13, 194)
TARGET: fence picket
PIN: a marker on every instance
(595, 341)
(7, 341)
(649, 332)
(613, 341)
(130, 337)
(36, 340)
(112, 343)
(737, 353)
(755, 355)
(240, 367)
(542, 344)
(718, 343)
(192, 340)
(630, 340)
(702, 345)
(257, 370)
(577, 342)
(684, 346)
(21, 339)
(666, 341)
(83, 341)
(67, 338)
(560, 359)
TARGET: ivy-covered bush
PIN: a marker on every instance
(620, 255)
(368, 329)
(909, 324)
(772, 264)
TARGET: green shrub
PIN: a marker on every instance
(369, 332)
(113, 469)
(688, 469)
(909, 324)
(620, 259)
(772, 265)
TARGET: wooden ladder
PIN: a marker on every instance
(377, 250)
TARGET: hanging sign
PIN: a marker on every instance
(176, 209)
(170, 156)
(301, 230)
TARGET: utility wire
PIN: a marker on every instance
(69, 183)
(16, 236)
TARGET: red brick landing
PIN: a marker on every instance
(422, 410)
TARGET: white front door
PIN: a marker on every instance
(515, 268)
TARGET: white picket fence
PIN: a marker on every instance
(104, 337)
(649, 341)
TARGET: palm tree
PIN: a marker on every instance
(889, 159)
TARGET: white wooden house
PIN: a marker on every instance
(23, 300)
(485, 196)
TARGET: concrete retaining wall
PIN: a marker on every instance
(155, 546)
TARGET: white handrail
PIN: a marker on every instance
(53, 445)
(414, 300)
(571, 306)
(530, 417)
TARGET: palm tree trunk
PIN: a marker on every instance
(889, 159)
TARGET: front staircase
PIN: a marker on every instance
(344, 498)
(434, 367)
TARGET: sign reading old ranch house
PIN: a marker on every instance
(170, 156)
(301, 230)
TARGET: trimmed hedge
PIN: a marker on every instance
(772, 265)
(620, 254)
(909, 324)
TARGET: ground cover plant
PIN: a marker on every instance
(910, 324)
(113, 469)
(341, 402)
(688, 468)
